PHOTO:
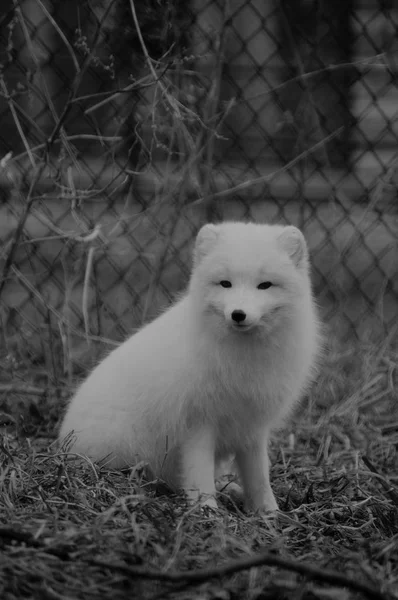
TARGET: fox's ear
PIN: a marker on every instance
(293, 242)
(205, 241)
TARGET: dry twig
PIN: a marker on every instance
(265, 559)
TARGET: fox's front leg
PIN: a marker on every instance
(197, 457)
(253, 465)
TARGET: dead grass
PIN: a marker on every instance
(74, 531)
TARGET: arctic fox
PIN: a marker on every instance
(212, 375)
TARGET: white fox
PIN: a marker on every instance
(212, 375)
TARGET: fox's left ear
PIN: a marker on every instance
(293, 242)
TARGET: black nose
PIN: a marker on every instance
(238, 316)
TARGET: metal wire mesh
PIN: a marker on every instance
(125, 125)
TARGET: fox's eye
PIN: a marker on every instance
(264, 285)
(225, 283)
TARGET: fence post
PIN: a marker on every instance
(35, 37)
(253, 71)
(316, 36)
(208, 47)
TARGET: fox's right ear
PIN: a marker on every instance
(205, 241)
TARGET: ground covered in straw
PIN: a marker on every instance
(71, 531)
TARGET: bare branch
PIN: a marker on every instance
(32, 390)
(230, 568)
(269, 176)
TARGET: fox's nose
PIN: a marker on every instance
(238, 316)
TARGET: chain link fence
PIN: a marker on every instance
(125, 125)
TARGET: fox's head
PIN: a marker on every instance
(248, 278)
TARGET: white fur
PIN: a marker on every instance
(193, 387)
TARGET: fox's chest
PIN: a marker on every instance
(242, 397)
